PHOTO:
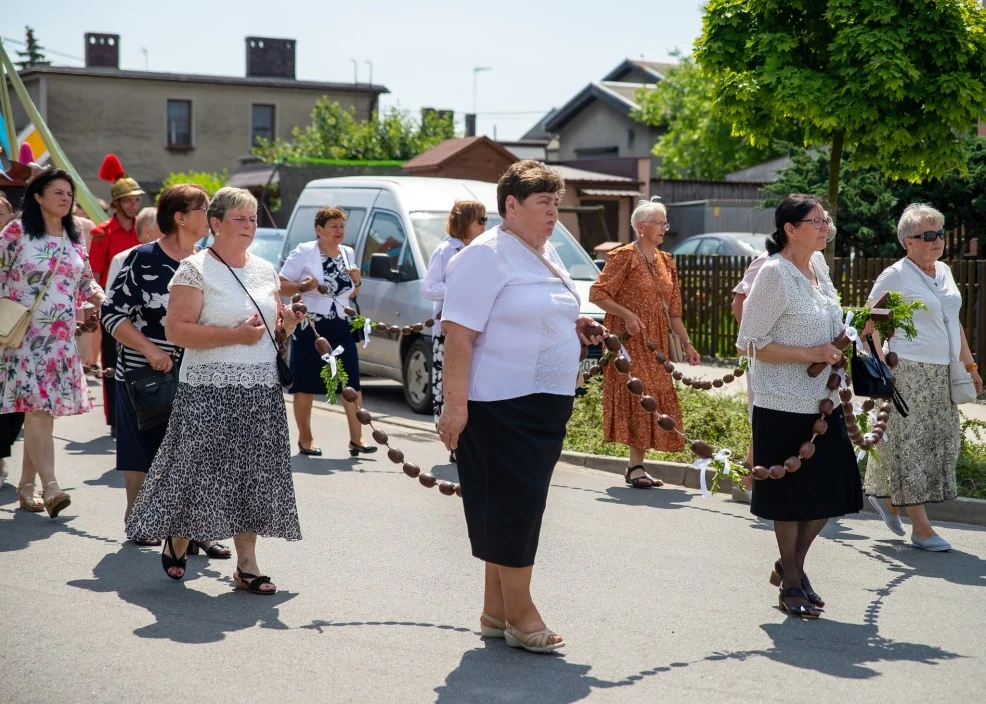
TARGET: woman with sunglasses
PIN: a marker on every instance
(916, 464)
(466, 222)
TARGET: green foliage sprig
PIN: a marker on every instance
(357, 323)
(901, 317)
(333, 383)
(211, 181)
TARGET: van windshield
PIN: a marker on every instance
(430, 229)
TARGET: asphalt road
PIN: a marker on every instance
(661, 595)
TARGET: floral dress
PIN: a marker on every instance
(45, 372)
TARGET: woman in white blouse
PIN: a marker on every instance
(512, 332)
(790, 318)
(466, 222)
(224, 467)
(916, 464)
(325, 268)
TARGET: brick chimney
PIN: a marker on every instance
(269, 58)
(102, 50)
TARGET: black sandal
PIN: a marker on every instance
(355, 449)
(311, 451)
(637, 482)
(252, 586)
(170, 561)
(217, 551)
(151, 543)
(809, 612)
(778, 575)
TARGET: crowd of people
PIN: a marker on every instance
(206, 325)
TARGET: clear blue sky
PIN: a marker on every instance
(539, 57)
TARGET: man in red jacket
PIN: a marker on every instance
(109, 239)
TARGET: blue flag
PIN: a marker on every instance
(3, 139)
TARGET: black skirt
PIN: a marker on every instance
(826, 486)
(506, 456)
(135, 448)
(306, 364)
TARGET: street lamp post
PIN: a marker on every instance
(355, 71)
(475, 73)
(370, 64)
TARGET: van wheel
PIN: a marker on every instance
(417, 376)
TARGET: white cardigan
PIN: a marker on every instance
(306, 260)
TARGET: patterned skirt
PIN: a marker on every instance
(437, 358)
(224, 468)
(917, 460)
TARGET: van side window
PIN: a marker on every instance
(302, 228)
(386, 236)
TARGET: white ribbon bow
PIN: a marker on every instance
(367, 326)
(850, 331)
(623, 351)
(331, 358)
(722, 456)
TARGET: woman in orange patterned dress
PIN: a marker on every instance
(636, 284)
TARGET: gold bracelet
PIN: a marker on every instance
(971, 367)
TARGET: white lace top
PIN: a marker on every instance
(525, 317)
(784, 307)
(225, 304)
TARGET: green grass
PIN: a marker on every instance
(721, 420)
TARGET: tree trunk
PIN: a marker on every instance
(835, 162)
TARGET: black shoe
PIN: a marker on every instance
(310, 452)
(355, 449)
(451, 457)
(217, 551)
(112, 431)
(169, 561)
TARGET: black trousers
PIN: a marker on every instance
(109, 385)
(10, 428)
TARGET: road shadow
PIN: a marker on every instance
(495, 672)
(103, 445)
(110, 478)
(181, 614)
(321, 626)
(25, 528)
(326, 466)
(955, 566)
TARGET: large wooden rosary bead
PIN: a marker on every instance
(622, 365)
(806, 451)
(834, 382)
(892, 359)
(687, 381)
(394, 330)
(296, 298)
(458, 490)
(381, 327)
(417, 327)
(363, 416)
(729, 378)
(412, 470)
(706, 385)
(406, 330)
(428, 480)
(845, 395)
(669, 368)
(299, 308)
(595, 370)
(702, 449)
(380, 437)
(395, 455)
(322, 346)
(613, 343)
(349, 394)
(648, 403)
(677, 376)
(886, 407)
(776, 472)
(882, 416)
(759, 472)
(660, 357)
(323, 289)
(447, 488)
(603, 362)
(737, 372)
(430, 323)
(826, 406)
(717, 383)
(635, 386)
(792, 464)
(653, 348)
(820, 427)
(665, 423)
(868, 405)
(351, 312)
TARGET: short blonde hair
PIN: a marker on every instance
(644, 210)
(145, 219)
(916, 216)
(461, 217)
(229, 198)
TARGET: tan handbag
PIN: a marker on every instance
(16, 318)
(676, 351)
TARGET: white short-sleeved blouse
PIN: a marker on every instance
(784, 307)
(525, 317)
(944, 301)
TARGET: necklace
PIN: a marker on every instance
(649, 262)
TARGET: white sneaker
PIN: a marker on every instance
(744, 496)
(892, 521)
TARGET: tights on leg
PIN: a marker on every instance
(807, 532)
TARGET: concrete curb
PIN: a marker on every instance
(960, 510)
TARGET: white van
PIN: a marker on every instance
(394, 224)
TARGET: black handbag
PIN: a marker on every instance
(284, 375)
(152, 394)
(872, 378)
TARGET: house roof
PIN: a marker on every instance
(654, 69)
(202, 78)
(451, 148)
(539, 131)
(619, 96)
(765, 172)
(573, 175)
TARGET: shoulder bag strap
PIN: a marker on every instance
(543, 260)
(262, 319)
(948, 334)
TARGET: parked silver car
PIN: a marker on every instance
(728, 244)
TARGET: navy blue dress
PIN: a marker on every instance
(140, 295)
(306, 365)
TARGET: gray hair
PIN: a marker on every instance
(916, 216)
(644, 210)
(145, 218)
(229, 198)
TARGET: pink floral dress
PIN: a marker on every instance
(45, 372)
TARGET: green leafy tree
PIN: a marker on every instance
(698, 143)
(336, 133)
(210, 181)
(894, 81)
(33, 54)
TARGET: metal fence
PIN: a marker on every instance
(706, 284)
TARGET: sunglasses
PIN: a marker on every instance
(930, 235)
(482, 220)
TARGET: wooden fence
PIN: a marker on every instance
(707, 282)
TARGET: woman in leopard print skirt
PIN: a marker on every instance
(224, 467)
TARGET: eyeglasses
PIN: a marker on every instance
(663, 225)
(815, 222)
(929, 236)
(483, 220)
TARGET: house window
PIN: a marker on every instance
(261, 123)
(179, 124)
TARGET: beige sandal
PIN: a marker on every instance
(536, 642)
(494, 631)
(57, 503)
(29, 502)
